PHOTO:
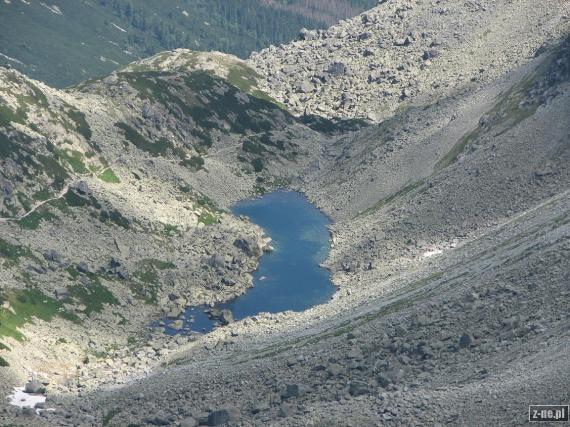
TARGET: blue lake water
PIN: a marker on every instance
(288, 278)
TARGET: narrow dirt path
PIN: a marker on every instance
(38, 205)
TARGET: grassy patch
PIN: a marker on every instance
(12, 253)
(7, 115)
(109, 176)
(158, 264)
(81, 124)
(194, 163)
(3, 363)
(170, 230)
(74, 200)
(139, 141)
(147, 285)
(54, 170)
(257, 164)
(42, 195)
(243, 78)
(27, 304)
(246, 79)
(93, 296)
(208, 218)
(74, 159)
(114, 216)
(253, 147)
(33, 220)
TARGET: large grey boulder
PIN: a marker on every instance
(289, 70)
(6, 188)
(465, 341)
(357, 388)
(392, 376)
(293, 390)
(339, 68)
(35, 387)
(51, 255)
(305, 34)
(375, 75)
(249, 246)
(82, 188)
(223, 416)
(306, 87)
(61, 294)
(216, 261)
(226, 317)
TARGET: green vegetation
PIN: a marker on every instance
(81, 124)
(7, 115)
(74, 159)
(208, 218)
(114, 216)
(245, 79)
(12, 253)
(253, 147)
(93, 296)
(23, 199)
(26, 305)
(42, 194)
(146, 284)
(516, 104)
(133, 136)
(109, 176)
(83, 41)
(34, 219)
(257, 164)
(54, 170)
(74, 200)
(34, 96)
(170, 230)
(194, 163)
(209, 101)
(333, 126)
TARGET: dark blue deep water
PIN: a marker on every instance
(289, 278)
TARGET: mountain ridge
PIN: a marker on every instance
(65, 41)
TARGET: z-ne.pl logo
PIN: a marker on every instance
(538, 413)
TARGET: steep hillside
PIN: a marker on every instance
(63, 42)
(403, 49)
(113, 198)
(451, 253)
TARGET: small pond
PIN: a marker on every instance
(288, 278)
